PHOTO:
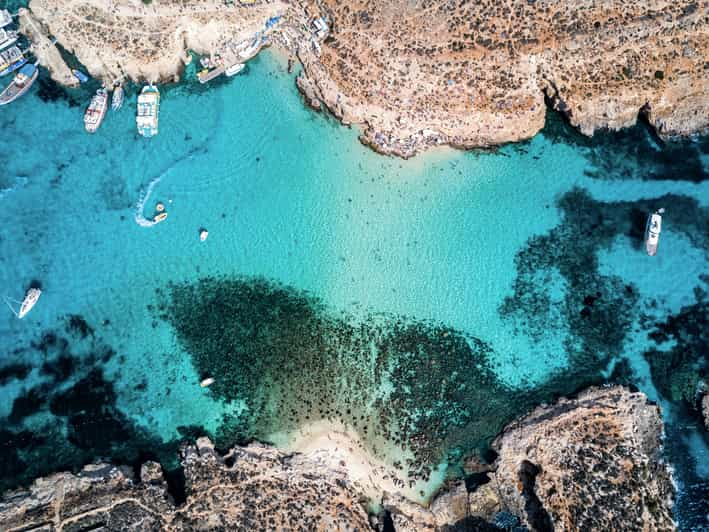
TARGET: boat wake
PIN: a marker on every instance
(139, 218)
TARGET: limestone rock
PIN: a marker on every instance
(590, 463)
(485, 502)
(262, 489)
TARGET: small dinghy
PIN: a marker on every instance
(26, 304)
(652, 231)
(78, 74)
(207, 382)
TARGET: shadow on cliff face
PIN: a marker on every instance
(70, 417)
(633, 153)
(423, 386)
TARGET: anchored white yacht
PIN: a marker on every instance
(27, 303)
(652, 231)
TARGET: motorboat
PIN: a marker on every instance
(652, 231)
(117, 98)
(234, 69)
(7, 38)
(96, 111)
(20, 85)
(148, 111)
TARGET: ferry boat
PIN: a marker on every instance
(10, 60)
(20, 85)
(5, 18)
(234, 69)
(31, 298)
(7, 38)
(652, 232)
(78, 74)
(96, 111)
(148, 111)
(117, 98)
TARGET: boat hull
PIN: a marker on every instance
(13, 91)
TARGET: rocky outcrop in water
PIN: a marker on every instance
(589, 463)
(250, 488)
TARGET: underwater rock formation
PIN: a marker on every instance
(589, 463)
(249, 488)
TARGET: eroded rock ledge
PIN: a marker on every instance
(419, 74)
(590, 463)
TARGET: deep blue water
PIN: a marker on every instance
(424, 303)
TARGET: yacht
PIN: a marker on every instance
(148, 111)
(652, 231)
(96, 110)
(7, 38)
(234, 69)
(20, 85)
(5, 18)
(31, 298)
(117, 98)
(10, 60)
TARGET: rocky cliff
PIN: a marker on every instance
(589, 463)
(418, 74)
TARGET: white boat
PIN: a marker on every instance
(5, 18)
(148, 111)
(206, 382)
(96, 110)
(117, 98)
(7, 38)
(20, 84)
(31, 298)
(652, 231)
(234, 69)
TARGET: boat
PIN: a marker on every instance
(7, 38)
(20, 85)
(250, 50)
(31, 298)
(234, 69)
(78, 74)
(206, 382)
(10, 60)
(117, 98)
(160, 217)
(148, 111)
(96, 111)
(203, 234)
(5, 18)
(652, 231)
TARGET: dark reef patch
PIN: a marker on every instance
(423, 386)
(680, 364)
(598, 310)
(14, 371)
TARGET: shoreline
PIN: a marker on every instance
(406, 99)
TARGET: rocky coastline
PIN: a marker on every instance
(417, 75)
(591, 462)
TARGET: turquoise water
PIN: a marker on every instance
(501, 249)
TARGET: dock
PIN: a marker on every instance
(208, 75)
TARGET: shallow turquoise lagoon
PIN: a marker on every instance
(504, 247)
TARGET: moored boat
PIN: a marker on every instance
(148, 111)
(20, 85)
(5, 18)
(117, 98)
(7, 38)
(96, 111)
(78, 74)
(652, 231)
(10, 60)
(234, 69)
(31, 298)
